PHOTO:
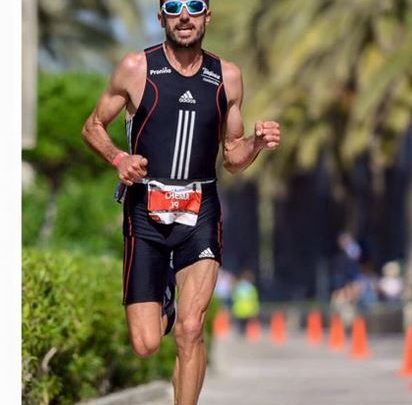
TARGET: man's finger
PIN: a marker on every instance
(271, 138)
(138, 160)
(272, 145)
(126, 180)
(271, 131)
(259, 128)
(142, 161)
(270, 124)
(132, 171)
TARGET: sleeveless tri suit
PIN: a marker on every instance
(177, 128)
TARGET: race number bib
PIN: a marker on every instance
(168, 203)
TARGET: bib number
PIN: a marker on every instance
(167, 204)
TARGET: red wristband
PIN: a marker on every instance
(117, 158)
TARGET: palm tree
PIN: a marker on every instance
(339, 76)
(87, 34)
(332, 60)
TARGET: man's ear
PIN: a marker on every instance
(208, 16)
(161, 19)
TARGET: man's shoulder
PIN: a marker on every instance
(232, 74)
(230, 68)
(227, 65)
(133, 62)
(133, 65)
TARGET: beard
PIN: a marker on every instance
(185, 44)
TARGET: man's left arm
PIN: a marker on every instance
(240, 151)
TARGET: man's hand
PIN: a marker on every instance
(132, 168)
(267, 135)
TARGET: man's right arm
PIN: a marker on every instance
(129, 74)
(239, 151)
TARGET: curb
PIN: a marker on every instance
(142, 394)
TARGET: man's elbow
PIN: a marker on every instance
(232, 168)
(86, 132)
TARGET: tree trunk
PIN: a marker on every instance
(49, 219)
(29, 73)
(408, 271)
(266, 226)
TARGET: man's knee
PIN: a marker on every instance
(145, 346)
(188, 330)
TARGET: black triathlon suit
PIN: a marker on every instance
(177, 128)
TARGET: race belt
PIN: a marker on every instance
(167, 204)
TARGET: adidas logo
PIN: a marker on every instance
(206, 253)
(187, 98)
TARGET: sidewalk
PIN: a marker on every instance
(244, 373)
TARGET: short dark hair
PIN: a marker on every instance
(162, 1)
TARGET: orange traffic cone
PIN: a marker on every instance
(314, 330)
(359, 348)
(253, 330)
(221, 324)
(337, 334)
(277, 328)
(406, 369)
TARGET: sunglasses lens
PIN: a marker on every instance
(173, 7)
(195, 6)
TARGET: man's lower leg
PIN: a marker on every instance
(195, 285)
(189, 373)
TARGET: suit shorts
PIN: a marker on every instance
(151, 248)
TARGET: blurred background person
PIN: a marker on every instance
(365, 285)
(224, 287)
(245, 299)
(345, 269)
(391, 285)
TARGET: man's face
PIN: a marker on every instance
(184, 30)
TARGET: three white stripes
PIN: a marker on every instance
(183, 145)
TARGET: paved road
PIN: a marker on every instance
(245, 373)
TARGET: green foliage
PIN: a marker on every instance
(64, 103)
(88, 218)
(70, 175)
(227, 18)
(333, 71)
(34, 204)
(72, 306)
(75, 341)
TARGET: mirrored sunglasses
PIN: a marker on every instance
(193, 7)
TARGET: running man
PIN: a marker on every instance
(181, 102)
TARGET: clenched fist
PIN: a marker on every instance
(131, 168)
(267, 134)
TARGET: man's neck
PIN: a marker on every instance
(184, 60)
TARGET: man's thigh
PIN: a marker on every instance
(145, 270)
(144, 320)
(196, 284)
(146, 265)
